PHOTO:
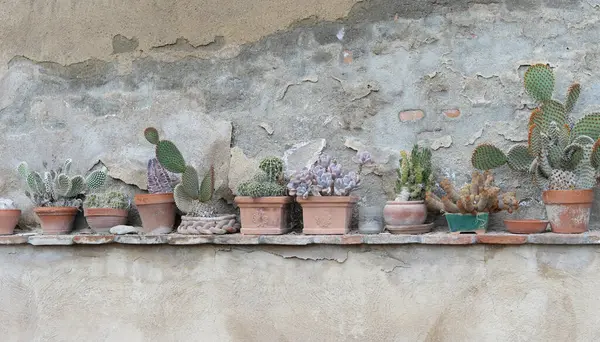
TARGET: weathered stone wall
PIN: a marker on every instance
(234, 81)
(320, 293)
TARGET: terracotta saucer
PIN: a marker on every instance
(526, 226)
(412, 229)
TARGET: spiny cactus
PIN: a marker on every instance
(325, 178)
(554, 141)
(191, 195)
(56, 188)
(481, 195)
(414, 175)
(272, 167)
(268, 182)
(160, 181)
(113, 200)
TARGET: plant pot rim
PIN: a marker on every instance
(105, 212)
(210, 218)
(55, 210)
(141, 199)
(568, 196)
(10, 212)
(266, 200)
(328, 199)
(461, 214)
(405, 202)
(526, 221)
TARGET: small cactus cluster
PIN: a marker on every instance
(325, 178)
(268, 182)
(56, 188)
(112, 200)
(555, 143)
(481, 195)
(160, 181)
(414, 175)
(191, 195)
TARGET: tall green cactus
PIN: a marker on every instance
(414, 175)
(191, 194)
(559, 154)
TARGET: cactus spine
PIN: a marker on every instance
(559, 154)
(268, 182)
(414, 175)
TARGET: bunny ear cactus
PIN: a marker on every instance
(414, 175)
(559, 155)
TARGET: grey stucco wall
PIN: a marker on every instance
(319, 293)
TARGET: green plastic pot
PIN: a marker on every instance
(467, 223)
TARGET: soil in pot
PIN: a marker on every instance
(157, 212)
(327, 214)
(407, 213)
(102, 219)
(8, 220)
(56, 220)
(568, 210)
(526, 226)
(467, 223)
(263, 215)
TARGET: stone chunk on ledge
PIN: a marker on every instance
(436, 238)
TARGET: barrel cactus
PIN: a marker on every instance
(415, 176)
(268, 182)
(560, 154)
(112, 200)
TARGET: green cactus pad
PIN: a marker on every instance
(77, 186)
(169, 156)
(23, 170)
(595, 157)
(189, 181)
(35, 182)
(96, 179)
(534, 140)
(208, 185)
(588, 125)
(552, 111)
(184, 202)
(62, 184)
(67, 166)
(151, 134)
(539, 82)
(518, 158)
(487, 157)
(535, 118)
(572, 96)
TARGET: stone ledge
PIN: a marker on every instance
(436, 238)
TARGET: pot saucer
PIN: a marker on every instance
(411, 229)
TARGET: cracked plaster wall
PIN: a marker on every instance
(310, 293)
(232, 82)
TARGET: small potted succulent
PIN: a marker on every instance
(467, 210)
(408, 212)
(192, 196)
(9, 216)
(263, 200)
(57, 195)
(157, 208)
(562, 156)
(106, 210)
(323, 191)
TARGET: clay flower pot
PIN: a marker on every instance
(101, 220)
(467, 223)
(568, 210)
(526, 226)
(157, 211)
(56, 220)
(8, 220)
(263, 215)
(408, 213)
(327, 214)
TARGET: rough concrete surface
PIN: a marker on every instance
(408, 293)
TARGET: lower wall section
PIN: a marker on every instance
(314, 293)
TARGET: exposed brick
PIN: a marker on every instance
(13, 239)
(93, 239)
(347, 56)
(411, 115)
(142, 239)
(352, 239)
(452, 113)
(501, 239)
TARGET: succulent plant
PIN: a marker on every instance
(160, 180)
(414, 175)
(268, 182)
(113, 200)
(555, 143)
(6, 203)
(56, 188)
(325, 178)
(481, 195)
(191, 195)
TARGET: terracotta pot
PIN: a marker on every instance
(56, 220)
(327, 214)
(568, 210)
(101, 220)
(263, 215)
(8, 220)
(526, 226)
(157, 211)
(408, 213)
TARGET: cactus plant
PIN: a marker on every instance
(56, 188)
(112, 200)
(191, 195)
(560, 154)
(480, 196)
(268, 182)
(160, 181)
(414, 175)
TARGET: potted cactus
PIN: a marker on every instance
(106, 210)
(57, 195)
(157, 208)
(263, 200)
(9, 216)
(561, 157)
(192, 196)
(323, 191)
(408, 212)
(467, 210)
